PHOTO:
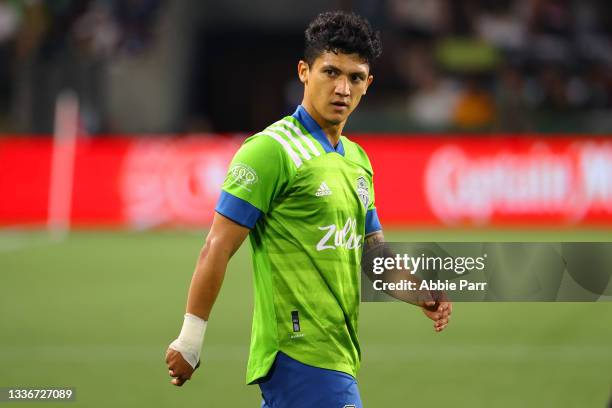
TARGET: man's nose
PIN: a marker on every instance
(342, 87)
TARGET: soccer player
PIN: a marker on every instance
(304, 195)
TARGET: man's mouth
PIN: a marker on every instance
(340, 104)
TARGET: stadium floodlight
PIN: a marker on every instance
(62, 164)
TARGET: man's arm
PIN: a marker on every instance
(223, 240)
(435, 305)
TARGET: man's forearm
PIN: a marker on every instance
(374, 246)
(223, 240)
(207, 279)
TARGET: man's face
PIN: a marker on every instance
(334, 85)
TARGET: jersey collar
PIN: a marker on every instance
(315, 130)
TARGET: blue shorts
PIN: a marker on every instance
(291, 384)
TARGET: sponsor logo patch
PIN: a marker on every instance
(323, 190)
(243, 175)
(346, 237)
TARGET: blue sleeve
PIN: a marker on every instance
(238, 210)
(372, 223)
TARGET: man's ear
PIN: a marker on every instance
(303, 71)
(370, 79)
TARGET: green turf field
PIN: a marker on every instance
(97, 311)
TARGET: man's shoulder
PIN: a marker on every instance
(289, 138)
(267, 141)
(277, 145)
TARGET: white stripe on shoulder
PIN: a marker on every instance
(295, 142)
(302, 136)
(296, 159)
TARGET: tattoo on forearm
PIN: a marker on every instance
(375, 246)
(373, 239)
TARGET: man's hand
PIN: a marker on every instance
(439, 312)
(178, 368)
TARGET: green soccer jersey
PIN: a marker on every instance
(309, 206)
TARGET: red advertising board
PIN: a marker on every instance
(493, 180)
(419, 181)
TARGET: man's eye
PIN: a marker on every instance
(356, 78)
(330, 72)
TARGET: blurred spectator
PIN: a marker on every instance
(599, 83)
(67, 45)
(546, 62)
(512, 109)
(554, 87)
(553, 17)
(137, 18)
(62, 61)
(427, 17)
(502, 24)
(462, 15)
(433, 100)
(475, 109)
(96, 31)
(10, 19)
(555, 57)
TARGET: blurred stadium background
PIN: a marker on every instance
(487, 120)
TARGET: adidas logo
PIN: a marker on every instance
(323, 190)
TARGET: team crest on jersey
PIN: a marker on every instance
(363, 191)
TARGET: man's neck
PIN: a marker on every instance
(332, 131)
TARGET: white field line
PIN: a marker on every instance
(11, 240)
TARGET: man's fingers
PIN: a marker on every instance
(178, 382)
(178, 379)
(432, 314)
(172, 356)
(435, 316)
(440, 328)
(447, 307)
(439, 313)
(440, 324)
(444, 310)
(177, 373)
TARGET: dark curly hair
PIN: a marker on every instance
(340, 31)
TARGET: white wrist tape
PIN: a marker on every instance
(189, 342)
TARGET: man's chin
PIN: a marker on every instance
(335, 119)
